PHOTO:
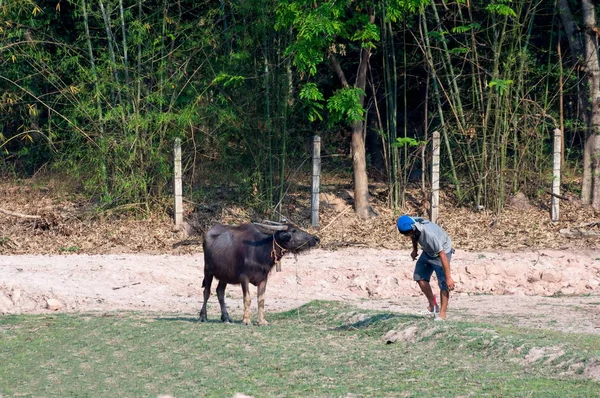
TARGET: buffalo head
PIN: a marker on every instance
(289, 236)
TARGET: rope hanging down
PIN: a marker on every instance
(276, 258)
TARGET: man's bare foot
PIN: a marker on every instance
(433, 309)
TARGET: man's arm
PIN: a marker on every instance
(415, 251)
(446, 266)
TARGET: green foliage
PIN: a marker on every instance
(70, 249)
(500, 85)
(228, 81)
(316, 30)
(312, 99)
(232, 78)
(459, 50)
(466, 28)
(438, 35)
(397, 10)
(310, 92)
(501, 7)
(334, 29)
(344, 105)
(109, 121)
(401, 142)
(368, 35)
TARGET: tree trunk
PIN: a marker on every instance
(578, 55)
(359, 160)
(592, 66)
(571, 29)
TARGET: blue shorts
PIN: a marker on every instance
(427, 264)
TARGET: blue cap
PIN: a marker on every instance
(405, 223)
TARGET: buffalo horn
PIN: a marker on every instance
(272, 227)
(272, 222)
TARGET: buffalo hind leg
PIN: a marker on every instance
(221, 295)
(247, 301)
(206, 284)
(262, 286)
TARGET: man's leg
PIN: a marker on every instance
(444, 292)
(426, 289)
(445, 297)
(422, 275)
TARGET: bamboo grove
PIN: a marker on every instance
(98, 90)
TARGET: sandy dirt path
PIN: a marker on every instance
(541, 289)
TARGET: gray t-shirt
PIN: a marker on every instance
(433, 238)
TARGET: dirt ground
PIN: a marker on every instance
(516, 267)
(540, 289)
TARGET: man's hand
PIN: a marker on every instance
(414, 254)
(450, 283)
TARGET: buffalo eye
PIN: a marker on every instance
(284, 237)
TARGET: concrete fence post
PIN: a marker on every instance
(316, 181)
(556, 175)
(435, 177)
(178, 189)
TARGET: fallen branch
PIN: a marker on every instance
(14, 214)
(557, 195)
(590, 224)
(335, 218)
(577, 233)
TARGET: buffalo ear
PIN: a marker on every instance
(284, 236)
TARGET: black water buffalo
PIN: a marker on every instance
(246, 254)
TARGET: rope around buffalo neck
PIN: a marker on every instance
(276, 259)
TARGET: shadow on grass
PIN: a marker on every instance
(180, 319)
(372, 320)
(195, 320)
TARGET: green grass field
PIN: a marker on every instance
(323, 349)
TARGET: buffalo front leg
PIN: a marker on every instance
(206, 284)
(262, 286)
(247, 301)
(221, 295)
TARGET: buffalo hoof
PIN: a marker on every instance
(202, 318)
(226, 319)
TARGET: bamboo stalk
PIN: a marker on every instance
(437, 97)
(92, 65)
(561, 106)
(102, 140)
(452, 78)
(394, 150)
(111, 50)
(287, 102)
(390, 77)
(123, 32)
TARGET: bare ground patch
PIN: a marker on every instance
(495, 287)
